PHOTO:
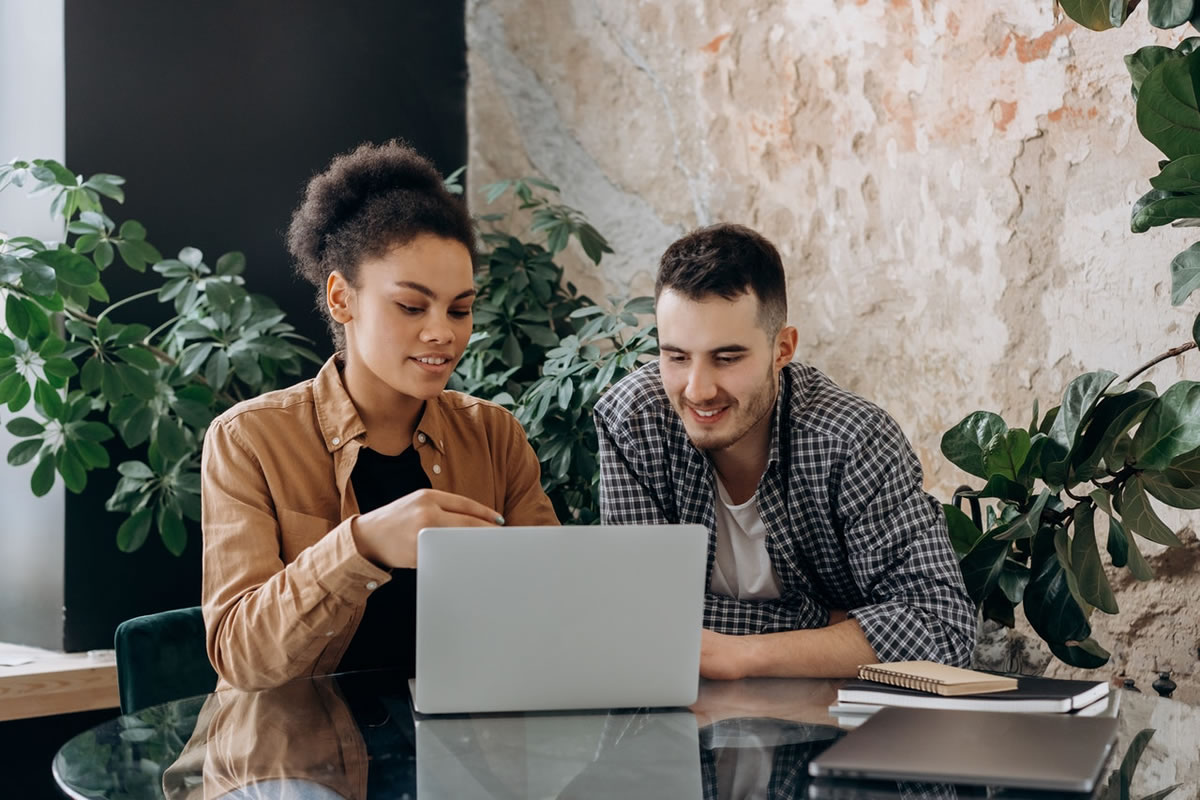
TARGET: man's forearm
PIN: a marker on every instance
(831, 652)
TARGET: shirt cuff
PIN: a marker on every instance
(346, 573)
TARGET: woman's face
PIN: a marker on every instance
(408, 319)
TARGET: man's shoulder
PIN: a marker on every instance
(638, 394)
(820, 408)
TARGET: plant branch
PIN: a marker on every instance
(122, 302)
(1174, 351)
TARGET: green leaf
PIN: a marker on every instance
(540, 335)
(1118, 543)
(1141, 63)
(1139, 516)
(1087, 654)
(23, 452)
(1079, 399)
(191, 257)
(1085, 561)
(1112, 418)
(1157, 208)
(138, 382)
(1170, 428)
(1013, 580)
(565, 390)
(94, 456)
(111, 385)
(1185, 276)
(981, 567)
(170, 440)
(42, 480)
(1167, 114)
(60, 367)
(7, 349)
(245, 365)
(1026, 525)
(1181, 175)
(193, 357)
(133, 531)
(220, 294)
(217, 370)
(510, 353)
(93, 431)
(1091, 14)
(172, 531)
(1169, 13)
(38, 278)
(963, 533)
(1049, 605)
(135, 469)
(72, 470)
(107, 185)
(132, 229)
(103, 257)
(233, 263)
(139, 357)
(71, 268)
(20, 395)
(47, 400)
(965, 444)
(16, 316)
(1005, 454)
(24, 426)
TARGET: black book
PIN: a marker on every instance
(1034, 695)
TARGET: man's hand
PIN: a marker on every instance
(388, 535)
(723, 657)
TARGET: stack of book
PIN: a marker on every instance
(925, 684)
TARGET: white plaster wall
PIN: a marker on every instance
(31, 126)
(949, 184)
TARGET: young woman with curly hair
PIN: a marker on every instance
(313, 495)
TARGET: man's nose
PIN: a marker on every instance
(700, 386)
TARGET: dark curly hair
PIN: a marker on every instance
(366, 202)
(727, 260)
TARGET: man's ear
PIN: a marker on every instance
(339, 296)
(785, 346)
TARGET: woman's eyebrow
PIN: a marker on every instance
(430, 293)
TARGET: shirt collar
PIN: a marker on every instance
(792, 384)
(339, 421)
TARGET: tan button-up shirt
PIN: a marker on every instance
(284, 585)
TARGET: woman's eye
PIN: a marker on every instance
(459, 314)
(410, 309)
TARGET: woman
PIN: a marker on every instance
(313, 495)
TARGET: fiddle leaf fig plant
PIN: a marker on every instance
(79, 369)
(1092, 468)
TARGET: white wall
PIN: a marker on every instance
(32, 125)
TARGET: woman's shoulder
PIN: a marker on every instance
(270, 408)
(462, 408)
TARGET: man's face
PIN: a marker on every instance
(719, 367)
(409, 318)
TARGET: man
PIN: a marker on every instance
(824, 552)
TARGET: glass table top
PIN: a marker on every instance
(354, 736)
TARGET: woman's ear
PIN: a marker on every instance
(339, 296)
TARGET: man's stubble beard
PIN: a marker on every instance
(761, 404)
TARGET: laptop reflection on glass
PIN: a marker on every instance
(558, 617)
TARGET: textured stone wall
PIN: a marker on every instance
(949, 184)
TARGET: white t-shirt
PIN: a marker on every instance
(742, 568)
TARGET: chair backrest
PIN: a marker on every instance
(161, 657)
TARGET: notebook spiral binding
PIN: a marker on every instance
(897, 679)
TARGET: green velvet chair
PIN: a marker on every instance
(161, 657)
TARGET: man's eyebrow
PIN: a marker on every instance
(425, 290)
(725, 348)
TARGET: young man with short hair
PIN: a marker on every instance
(824, 552)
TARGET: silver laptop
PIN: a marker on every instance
(642, 754)
(558, 617)
(1058, 752)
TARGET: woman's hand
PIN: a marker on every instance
(388, 535)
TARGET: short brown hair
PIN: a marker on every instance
(366, 202)
(728, 261)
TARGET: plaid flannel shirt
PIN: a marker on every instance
(848, 525)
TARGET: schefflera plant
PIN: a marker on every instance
(1095, 459)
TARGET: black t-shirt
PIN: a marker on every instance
(387, 634)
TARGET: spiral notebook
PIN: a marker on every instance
(929, 676)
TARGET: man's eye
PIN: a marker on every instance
(676, 359)
(728, 359)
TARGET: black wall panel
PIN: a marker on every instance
(217, 113)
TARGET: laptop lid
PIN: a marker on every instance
(984, 748)
(558, 617)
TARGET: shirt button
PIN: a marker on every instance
(337, 440)
(328, 633)
(421, 438)
(437, 469)
(372, 585)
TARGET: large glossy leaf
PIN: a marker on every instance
(1005, 454)
(1167, 113)
(1079, 399)
(1138, 515)
(1013, 580)
(1169, 13)
(71, 268)
(1138, 566)
(1026, 525)
(1093, 14)
(1141, 63)
(1087, 654)
(1156, 208)
(1118, 543)
(132, 533)
(1180, 175)
(1185, 274)
(963, 533)
(981, 567)
(1112, 417)
(1049, 605)
(965, 444)
(1170, 428)
(1159, 485)
(1085, 561)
